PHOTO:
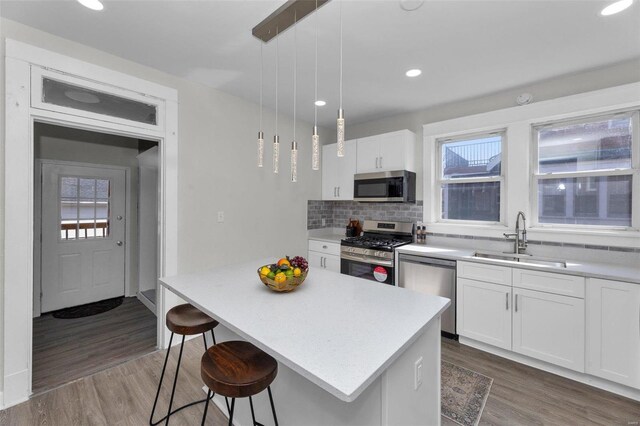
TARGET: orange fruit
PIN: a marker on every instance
(280, 278)
(284, 261)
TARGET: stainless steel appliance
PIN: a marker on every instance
(371, 255)
(431, 276)
(385, 187)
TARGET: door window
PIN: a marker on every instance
(84, 208)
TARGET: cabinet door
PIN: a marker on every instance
(329, 172)
(368, 155)
(613, 331)
(549, 327)
(392, 151)
(316, 260)
(332, 263)
(346, 170)
(484, 312)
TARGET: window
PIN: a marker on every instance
(585, 171)
(470, 177)
(84, 208)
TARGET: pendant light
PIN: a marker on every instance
(340, 121)
(315, 138)
(294, 144)
(276, 138)
(260, 132)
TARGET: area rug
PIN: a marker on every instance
(463, 394)
(89, 309)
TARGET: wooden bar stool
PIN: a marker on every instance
(185, 320)
(238, 369)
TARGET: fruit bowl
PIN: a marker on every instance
(279, 279)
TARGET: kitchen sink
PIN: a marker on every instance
(521, 258)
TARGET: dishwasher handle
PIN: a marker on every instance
(423, 260)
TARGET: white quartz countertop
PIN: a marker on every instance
(338, 331)
(586, 269)
(328, 237)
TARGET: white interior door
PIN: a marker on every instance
(83, 234)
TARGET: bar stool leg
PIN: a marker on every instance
(253, 415)
(233, 403)
(175, 381)
(206, 405)
(164, 367)
(273, 408)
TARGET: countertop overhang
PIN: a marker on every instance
(339, 332)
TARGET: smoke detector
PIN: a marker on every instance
(524, 99)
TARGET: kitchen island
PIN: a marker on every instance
(349, 350)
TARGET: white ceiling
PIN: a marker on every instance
(465, 48)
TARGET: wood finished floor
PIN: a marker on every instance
(68, 349)
(123, 395)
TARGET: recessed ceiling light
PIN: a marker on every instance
(92, 4)
(616, 7)
(320, 103)
(413, 73)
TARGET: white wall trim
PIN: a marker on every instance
(19, 189)
(518, 122)
(550, 368)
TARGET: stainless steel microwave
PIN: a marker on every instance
(385, 187)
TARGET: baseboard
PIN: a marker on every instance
(584, 378)
(16, 389)
(146, 302)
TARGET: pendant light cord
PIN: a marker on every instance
(277, 56)
(315, 99)
(261, 72)
(340, 53)
(295, 68)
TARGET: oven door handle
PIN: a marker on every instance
(367, 259)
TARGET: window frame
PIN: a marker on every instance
(633, 171)
(439, 180)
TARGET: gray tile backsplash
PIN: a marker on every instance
(337, 213)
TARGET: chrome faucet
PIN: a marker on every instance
(519, 237)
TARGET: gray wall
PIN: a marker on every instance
(65, 144)
(585, 81)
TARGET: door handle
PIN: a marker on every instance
(118, 243)
(119, 217)
(516, 304)
(507, 300)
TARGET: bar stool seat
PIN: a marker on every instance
(185, 320)
(188, 320)
(238, 369)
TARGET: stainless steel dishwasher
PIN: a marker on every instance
(431, 276)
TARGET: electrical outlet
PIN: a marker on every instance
(417, 374)
(220, 217)
(324, 221)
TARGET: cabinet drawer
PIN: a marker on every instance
(483, 272)
(324, 247)
(566, 285)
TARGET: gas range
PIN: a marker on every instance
(371, 255)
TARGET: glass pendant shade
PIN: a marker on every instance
(340, 126)
(315, 149)
(260, 149)
(276, 154)
(294, 161)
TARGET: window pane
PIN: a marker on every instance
(604, 200)
(599, 144)
(471, 201)
(72, 96)
(84, 208)
(477, 157)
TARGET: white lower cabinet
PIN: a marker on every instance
(484, 312)
(613, 331)
(549, 327)
(324, 255)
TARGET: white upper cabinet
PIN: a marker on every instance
(613, 331)
(387, 152)
(337, 172)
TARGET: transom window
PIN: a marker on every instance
(585, 171)
(470, 177)
(84, 208)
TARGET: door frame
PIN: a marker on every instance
(20, 117)
(37, 225)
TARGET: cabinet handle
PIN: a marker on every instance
(324, 247)
(507, 300)
(322, 262)
(338, 191)
(516, 306)
(334, 191)
(380, 162)
(377, 158)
